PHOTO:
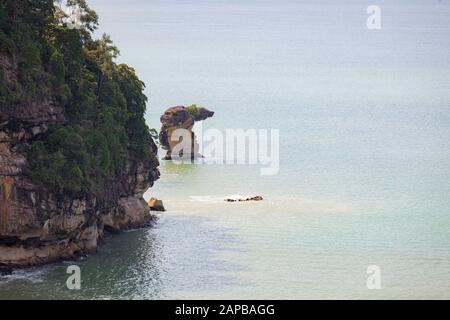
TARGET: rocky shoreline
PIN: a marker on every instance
(39, 226)
(62, 253)
(76, 155)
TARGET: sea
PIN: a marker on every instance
(360, 205)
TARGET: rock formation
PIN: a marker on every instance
(240, 198)
(181, 117)
(37, 226)
(75, 153)
(156, 204)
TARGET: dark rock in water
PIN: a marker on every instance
(5, 271)
(239, 199)
(181, 117)
(256, 198)
(156, 205)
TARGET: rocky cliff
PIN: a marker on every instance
(75, 154)
(37, 226)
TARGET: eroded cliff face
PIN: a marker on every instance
(38, 226)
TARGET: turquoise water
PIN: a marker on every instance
(364, 120)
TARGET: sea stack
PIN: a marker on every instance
(181, 117)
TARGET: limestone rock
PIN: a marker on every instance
(37, 226)
(181, 117)
(156, 205)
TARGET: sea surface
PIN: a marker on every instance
(364, 179)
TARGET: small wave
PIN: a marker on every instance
(207, 198)
(31, 275)
(289, 203)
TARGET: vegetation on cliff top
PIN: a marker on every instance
(103, 102)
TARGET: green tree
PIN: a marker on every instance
(104, 103)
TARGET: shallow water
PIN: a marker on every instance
(364, 119)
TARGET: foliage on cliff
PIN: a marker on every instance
(103, 102)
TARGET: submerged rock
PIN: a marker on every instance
(181, 117)
(240, 199)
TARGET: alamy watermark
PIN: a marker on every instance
(230, 146)
(71, 15)
(74, 280)
(374, 20)
(374, 278)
